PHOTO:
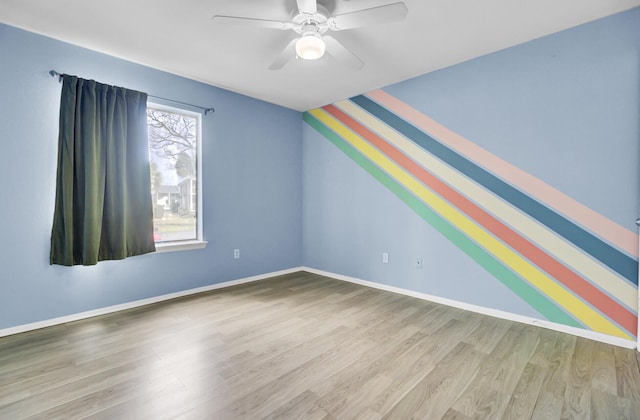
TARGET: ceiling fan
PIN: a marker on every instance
(312, 21)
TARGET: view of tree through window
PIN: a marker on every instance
(173, 139)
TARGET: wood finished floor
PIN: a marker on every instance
(305, 346)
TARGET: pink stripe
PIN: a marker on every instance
(615, 234)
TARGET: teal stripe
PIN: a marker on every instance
(529, 294)
(607, 254)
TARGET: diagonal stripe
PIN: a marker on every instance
(571, 280)
(522, 289)
(612, 232)
(575, 306)
(604, 252)
(588, 267)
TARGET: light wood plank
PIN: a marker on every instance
(434, 395)
(523, 399)
(628, 381)
(306, 346)
(604, 369)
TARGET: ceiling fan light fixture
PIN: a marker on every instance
(310, 47)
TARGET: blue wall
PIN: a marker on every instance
(252, 186)
(564, 108)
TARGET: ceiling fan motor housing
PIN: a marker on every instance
(306, 22)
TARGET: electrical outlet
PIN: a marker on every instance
(418, 263)
(236, 254)
(385, 258)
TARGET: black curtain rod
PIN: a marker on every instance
(206, 110)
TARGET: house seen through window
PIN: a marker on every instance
(174, 137)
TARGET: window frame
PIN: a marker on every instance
(199, 242)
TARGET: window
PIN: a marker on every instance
(175, 157)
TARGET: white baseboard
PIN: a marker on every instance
(630, 344)
(604, 338)
(129, 305)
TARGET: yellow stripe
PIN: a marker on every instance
(581, 263)
(585, 313)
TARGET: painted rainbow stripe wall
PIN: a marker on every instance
(571, 264)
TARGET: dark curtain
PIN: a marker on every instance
(103, 208)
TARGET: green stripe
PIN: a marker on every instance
(532, 296)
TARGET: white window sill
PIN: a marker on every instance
(180, 246)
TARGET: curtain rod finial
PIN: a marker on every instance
(54, 73)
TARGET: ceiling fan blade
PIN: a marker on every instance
(256, 23)
(382, 14)
(307, 6)
(342, 54)
(287, 54)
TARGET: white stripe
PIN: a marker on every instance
(600, 275)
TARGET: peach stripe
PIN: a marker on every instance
(612, 232)
(545, 238)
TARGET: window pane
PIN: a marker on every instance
(172, 149)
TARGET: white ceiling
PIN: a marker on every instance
(435, 34)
